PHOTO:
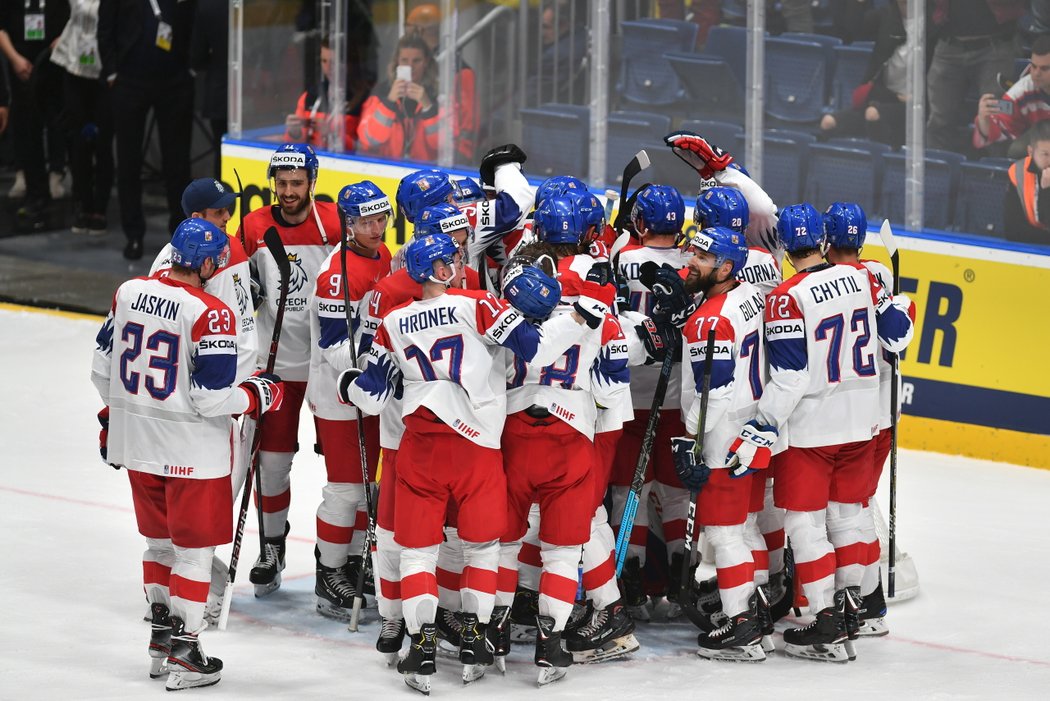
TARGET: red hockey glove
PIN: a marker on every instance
(706, 158)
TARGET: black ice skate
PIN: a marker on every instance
(335, 592)
(607, 634)
(187, 664)
(159, 641)
(823, 640)
(475, 649)
(449, 631)
(702, 604)
(738, 640)
(499, 635)
(781, 594)
(872, 614)
(550, 657)
(266, 574)
(420, 663)
(523, 614)
(353, 571)
(765, 619)
(391, 637)
(631, 585)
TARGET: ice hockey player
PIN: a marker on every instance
(165, 366)
(309, 230)
(453, 423)
(846, 226)
(657, 218)
(732, 311)
(726, 207)
(366, 258)
(207, 199)
(823, 329)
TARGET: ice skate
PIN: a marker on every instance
(499, 635)
(159, 641)
(449, 632)
(475, 650)
(523, 616)
(335, 593)
(780, 594)
(703, 606)
(419, 665)
(738, 640)
(606, 635)
(188, 666)
(872, 614)
(822, 640)
(266, 573)
(634, 597)
(391, 637)
(765, 619)
(550, 657)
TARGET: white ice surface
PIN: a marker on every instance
(72, 600)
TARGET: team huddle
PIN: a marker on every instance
(521, 374)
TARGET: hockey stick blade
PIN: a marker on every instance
(635, 166)
(618, 245)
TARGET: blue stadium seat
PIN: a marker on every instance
(734, 11)
(724, 134)
(839, 173)
(980, 199)
(730, 44)
(625, 130)
(784, 164)
(940, 186)
(645, 75)
(997, 161)
(851, 63)
(796, 77)
(557, 139)
(711, 89)
(872, 147)
(800, 136)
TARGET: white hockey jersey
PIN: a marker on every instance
(440, 352)
(330, 344)
(885, 278)
(493, 219)
(737, 368)
(165, 364)
(823, 329)
(306, 246)
(590, 373)
(761, 270)
(232, 285)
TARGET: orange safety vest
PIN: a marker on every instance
(1027, 184)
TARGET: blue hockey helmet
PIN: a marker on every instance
(440, 219)
(363, 199)
(466, 191)
(422, 252)
(845, 225)
(800, 227)
(660, 209)
(721, 206)
(724, 243)
(557, 185)
(291, 156)
(422, 188)
(568, 218)
(198, 240)
(531, 291)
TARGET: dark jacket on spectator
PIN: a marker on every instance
(121, 24)
(208, 52)
(1004, 10)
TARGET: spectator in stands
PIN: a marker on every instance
(145, 60)
(704, 13)
(1007, 120)
(27, 30)
(401, 120)
(1026, 209)
(424, 21)
(977, 40)
(878, 103)
(208, 53)
(558, 77)
(311, 123)
(87, 118)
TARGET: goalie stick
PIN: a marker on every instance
(366, 551)
(276, 248)
(689, 546)
(886, 234)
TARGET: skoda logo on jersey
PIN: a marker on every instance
(297, 280)
(452, 223)
(288, 160)
(375, 207)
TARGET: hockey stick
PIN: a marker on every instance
(630, 509)
(366, 554)
(886, 233)
(635, 166)
(689, 546)
(280, 257)
(242, 206)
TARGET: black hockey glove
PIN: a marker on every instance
(508, 153)
(673, 304)
(694, 475)
(346, 378)
(103, 436)
(654, 340)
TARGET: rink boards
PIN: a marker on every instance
(973, 381)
